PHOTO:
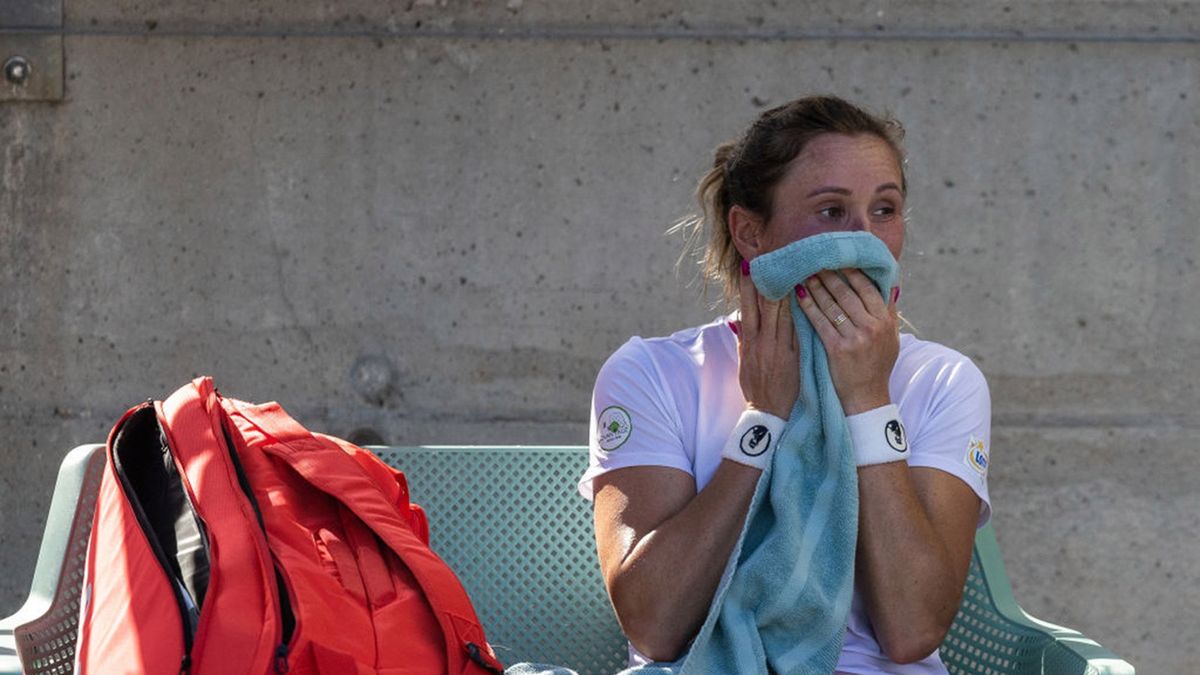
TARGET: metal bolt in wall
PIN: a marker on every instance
(32, 61)
(17, 70)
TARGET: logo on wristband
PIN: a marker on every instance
(894, 432)
(756, 440)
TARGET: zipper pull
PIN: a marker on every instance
(476, 655)
(281, 661)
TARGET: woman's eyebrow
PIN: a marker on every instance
(843, 191)
(829, 188)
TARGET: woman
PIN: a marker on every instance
(670, 502)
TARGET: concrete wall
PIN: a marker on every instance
(433, 220)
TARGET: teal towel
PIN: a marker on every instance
(783, 600)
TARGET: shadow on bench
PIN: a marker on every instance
(510, 522)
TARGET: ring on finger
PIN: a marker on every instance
(839, 320)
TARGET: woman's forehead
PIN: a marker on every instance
(851, 163)
(844, 158)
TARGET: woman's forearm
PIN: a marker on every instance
(663, 587)
(912, 559)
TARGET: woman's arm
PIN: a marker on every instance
(916, 532)
(916, 525)
(662, 546)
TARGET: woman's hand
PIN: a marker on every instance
(860, 334)
(768, 352)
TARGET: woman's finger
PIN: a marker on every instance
(833, 313)
(788, 336)
(783, 322)
(795, 340)
(845, 296)
(768, 317)
(867, 293)
(748, 296)
(817, 317)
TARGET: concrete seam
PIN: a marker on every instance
(1164, 422)
(636, 35)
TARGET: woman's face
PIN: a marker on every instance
(839, 183)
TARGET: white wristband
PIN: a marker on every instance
(753, 439)
(878, 436)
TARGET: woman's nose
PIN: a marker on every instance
(859, 222)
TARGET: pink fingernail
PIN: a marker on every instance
(801, 293)
(745, 268)
(895, 295)
(733, 327)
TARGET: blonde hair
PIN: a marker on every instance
(745, 172)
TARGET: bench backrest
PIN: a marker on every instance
(511, 523)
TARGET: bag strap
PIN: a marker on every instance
(327, 467)
(241, 624)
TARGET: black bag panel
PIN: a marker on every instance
(143, 462)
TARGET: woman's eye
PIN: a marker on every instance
(834, 212)
(887, 210)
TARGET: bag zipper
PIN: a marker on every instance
(189, 617)
(476, 655)
(281, 659)
(287, 615)
(287, 637)
(202, 528)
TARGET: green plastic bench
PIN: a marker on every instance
(511, 523)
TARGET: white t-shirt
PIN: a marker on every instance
(673, 401)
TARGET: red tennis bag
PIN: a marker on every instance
(230, 540)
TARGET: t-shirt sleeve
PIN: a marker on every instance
(955, 435)
(633, 420)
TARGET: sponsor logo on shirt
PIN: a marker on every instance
(756, 440)
(977, 456)
(894, 432)
(613, 428)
